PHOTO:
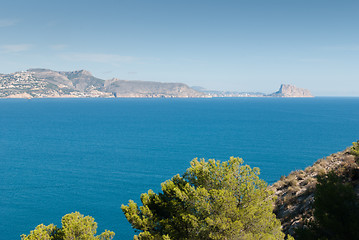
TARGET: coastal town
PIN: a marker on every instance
(26, 84)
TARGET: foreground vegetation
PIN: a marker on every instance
(74, 227)
(336, 211)
(228, 200)
(355, 150)
(211, 200)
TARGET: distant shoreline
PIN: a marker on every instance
(46, 83)
(210, 97)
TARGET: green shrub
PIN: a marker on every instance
(293, 182)
(279, 184)
(355, 150)
(293, 189)
(309, 180)
(74, 227)
(336, 210)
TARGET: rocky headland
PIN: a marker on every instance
(287, 90)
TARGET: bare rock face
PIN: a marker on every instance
(287, 90)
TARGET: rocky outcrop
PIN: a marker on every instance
(287, 90)
(295, 192)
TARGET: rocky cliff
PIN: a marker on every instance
(287, 90)
(295, 192)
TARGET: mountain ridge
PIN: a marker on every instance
(47, 83)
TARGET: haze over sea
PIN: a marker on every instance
(92, 155)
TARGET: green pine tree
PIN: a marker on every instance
(211, 200)
(74, 227)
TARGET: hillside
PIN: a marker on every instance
(295, 192)
(45, 83)
(122, 88)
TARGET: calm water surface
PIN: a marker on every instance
(92, 155)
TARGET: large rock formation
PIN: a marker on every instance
(287, 90)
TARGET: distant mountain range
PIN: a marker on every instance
(45, 83)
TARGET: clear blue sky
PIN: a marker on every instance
(242, 45)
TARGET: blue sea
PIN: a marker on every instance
(91, 155)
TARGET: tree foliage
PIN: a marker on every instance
(355, 150)
(74, 227)
(336, 210)
(211, 200)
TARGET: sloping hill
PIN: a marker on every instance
(295, 192)
(122, 88)
(46, 83)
